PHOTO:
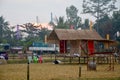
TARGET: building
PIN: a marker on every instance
(82, 42)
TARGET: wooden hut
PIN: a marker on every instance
(86, 43)
(78, 40)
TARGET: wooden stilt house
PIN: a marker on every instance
(82, 42)
(87, 43)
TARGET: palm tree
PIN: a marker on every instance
(4, 29)
(61, 24)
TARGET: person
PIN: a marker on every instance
(57, 62)
(40, 59)
(35, 59)
(6, 56)
(30, 59)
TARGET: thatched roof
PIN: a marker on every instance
(71, 34)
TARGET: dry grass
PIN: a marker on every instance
(49, 71)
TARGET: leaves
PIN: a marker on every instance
(98, 8)
(72, 17)
(4, 29)
(61, 24)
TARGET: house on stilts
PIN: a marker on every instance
(86, 43)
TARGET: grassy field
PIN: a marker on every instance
(50, 71)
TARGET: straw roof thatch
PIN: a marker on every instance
(71, 34)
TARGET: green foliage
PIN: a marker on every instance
(98, 8)
(1, 48)
(61, 24)
(105, 26)
(86, 24)
(29, 34)
(72, 17)
(44, 31)
(4, 29)
(71, 12)
(116, 21)
(31, 30)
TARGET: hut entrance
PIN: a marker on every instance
(63, 46)
(90, 47)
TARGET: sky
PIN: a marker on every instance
(24, 11)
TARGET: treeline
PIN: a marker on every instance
(107, 22)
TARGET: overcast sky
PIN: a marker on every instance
(23, 11)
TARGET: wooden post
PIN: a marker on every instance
(113, 63)
(28, 71)
(64, 58)
(84, 59)
(70, 59)
(55, 57)
(87, 62)
(79, 59)
(79, 71)
(107, 60)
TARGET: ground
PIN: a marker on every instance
(50, 71)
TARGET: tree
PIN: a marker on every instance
(4, 29)
(86, 24)
(72, 18)
(26, 32)
(43, 32)
(13, 39)
(61, 24)
(34, 34)
(31, 30)
(116, 26)
(105, 26)
(98, 8)
(116, 22)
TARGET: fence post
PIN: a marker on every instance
(79, 71)
(28, 71)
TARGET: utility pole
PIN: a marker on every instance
(37, 20)
(98, 16)
(51, 17)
